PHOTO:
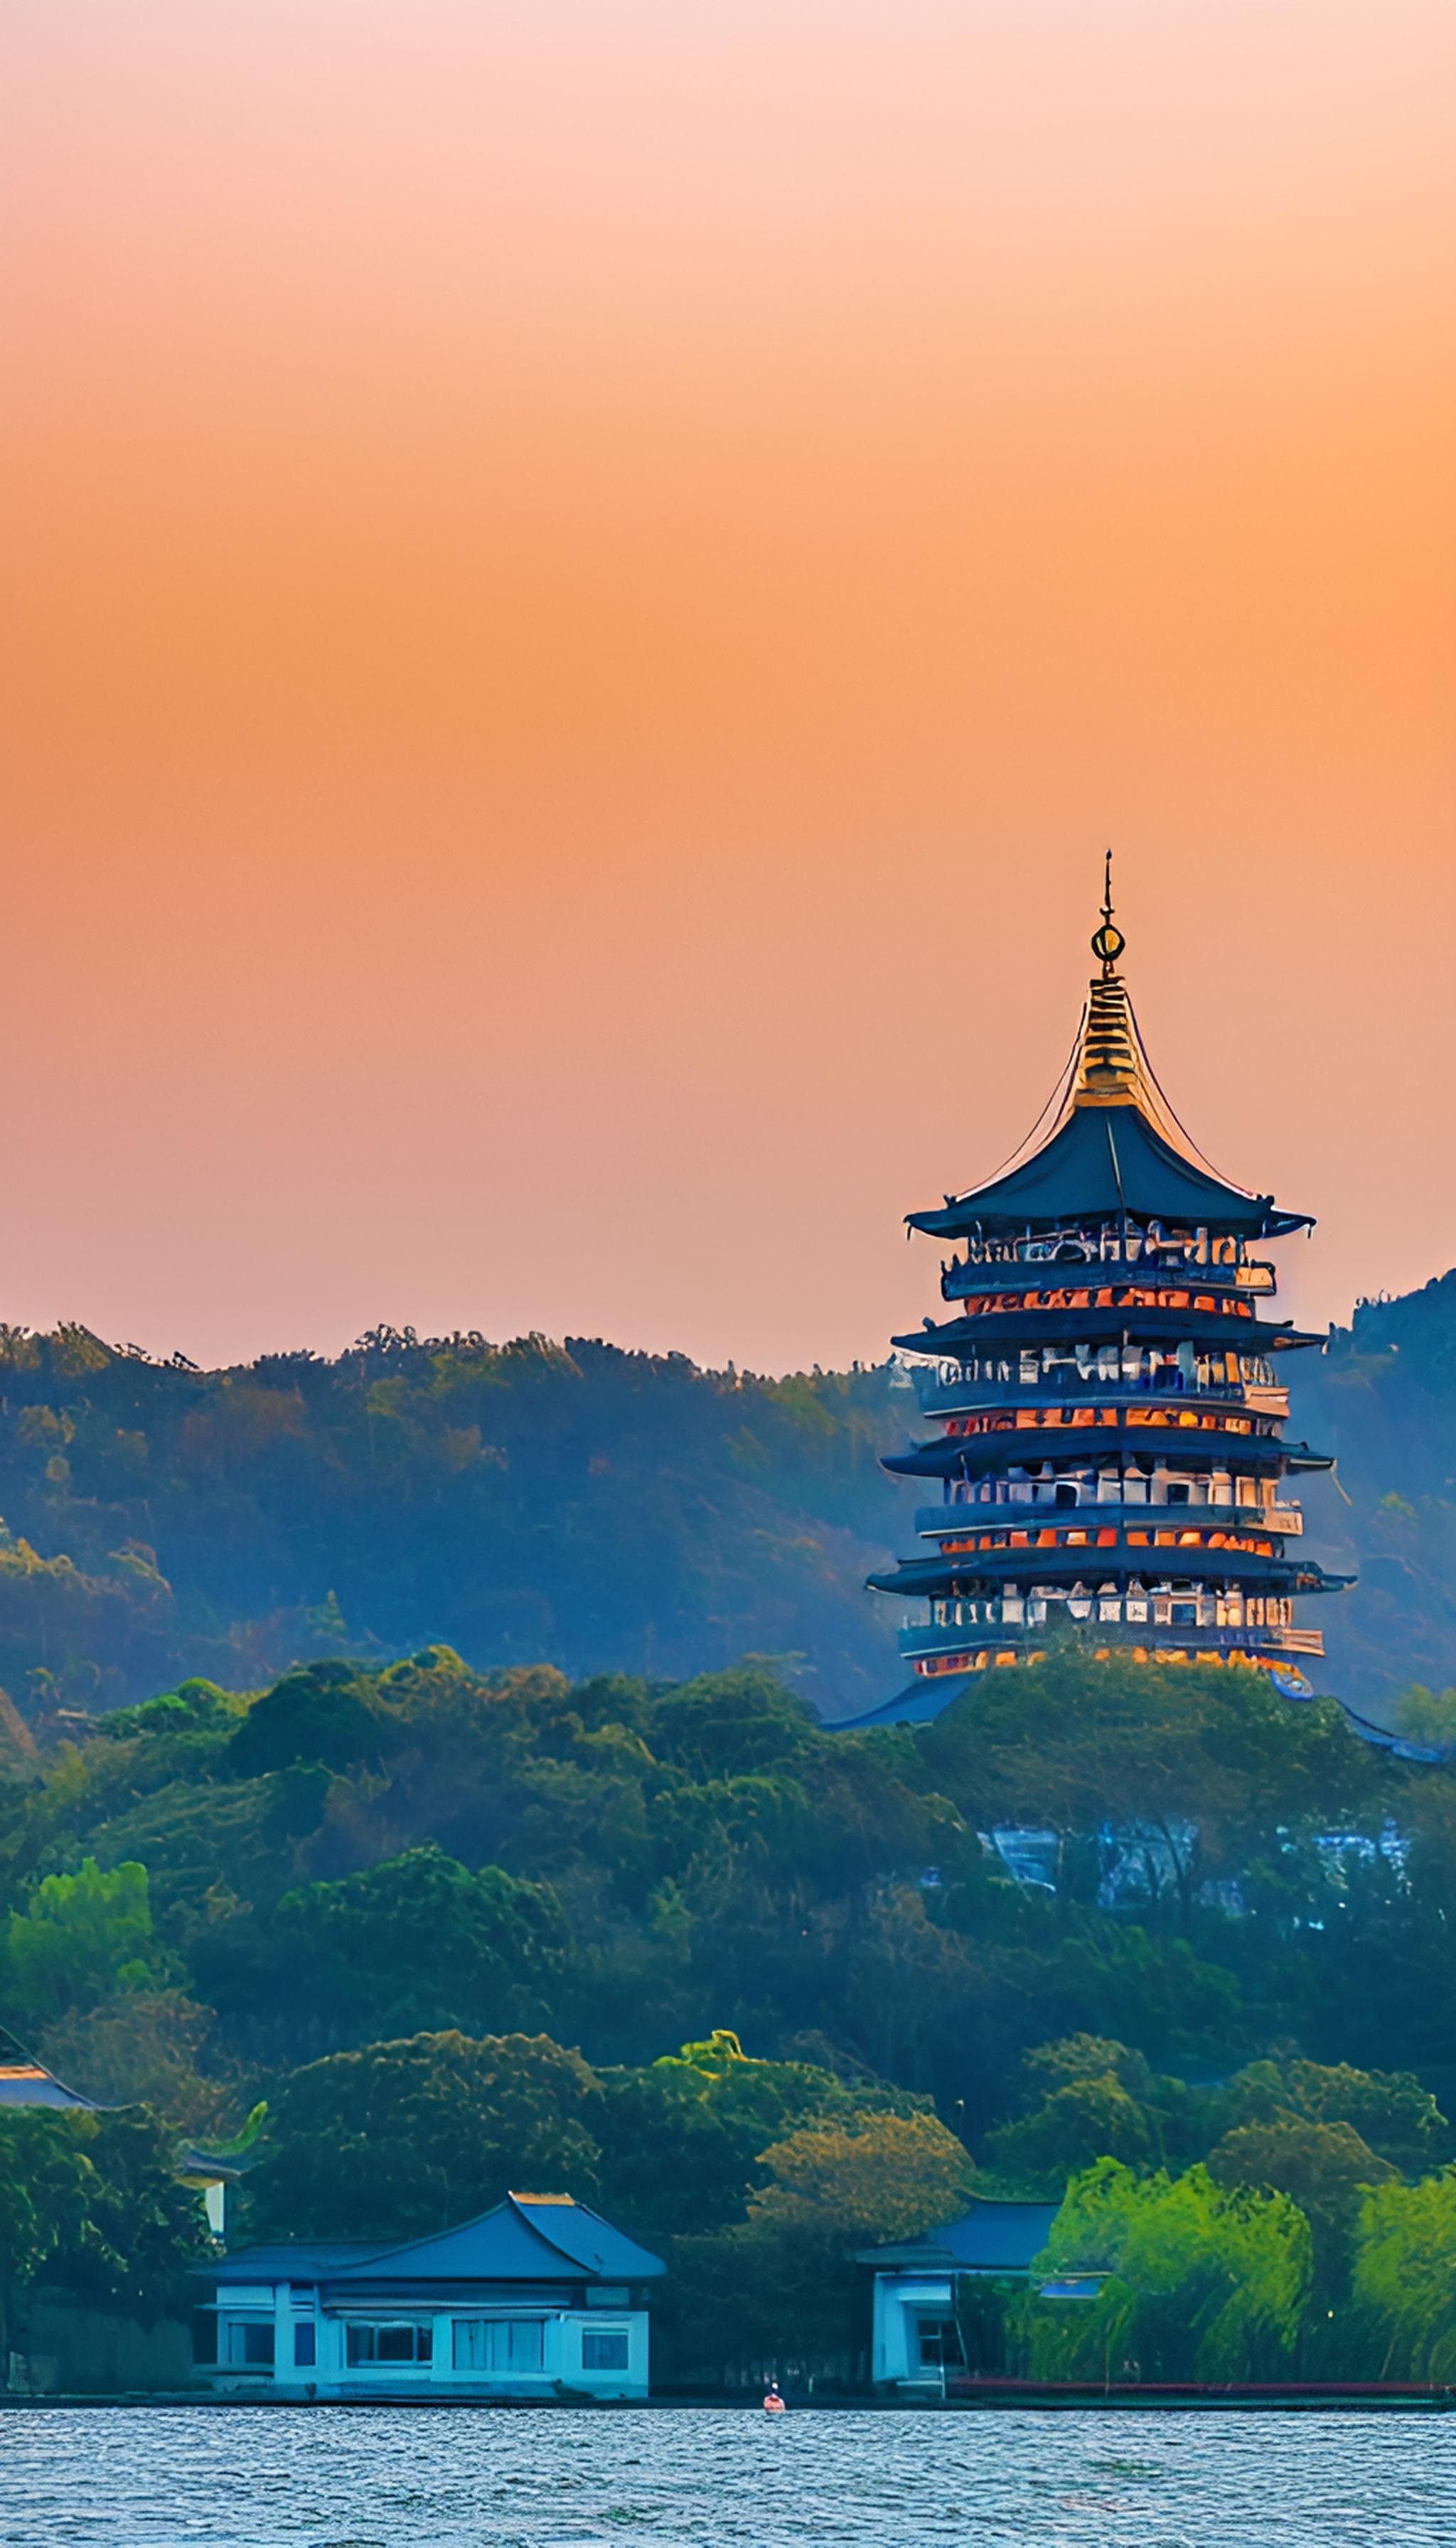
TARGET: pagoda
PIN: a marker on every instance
(1110, 1455)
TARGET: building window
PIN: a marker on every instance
(249, 2343)
(303, 2347)
(499, 2344)
(940, 2342)
(603, 2348)
(395, 2341)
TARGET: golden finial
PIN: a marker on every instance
(1108, 942)
(1108, 1069)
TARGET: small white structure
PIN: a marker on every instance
(916, 2340)
(540, 2297)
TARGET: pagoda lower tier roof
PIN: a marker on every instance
(927, 1578)
(919, 1703)
(979, 1455)
(1104, 1162)
(928, 1696)
(1106, 1325)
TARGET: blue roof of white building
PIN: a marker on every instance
(990, 2239)
(528, 2238)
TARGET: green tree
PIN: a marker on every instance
(80, 1938)
(418, 1943)
(92, 2204)
(1390, 2111)
(872, 2177)
(45, 2178)
(406, 2138)
(683, 2138)
(1087, 2097)
(1326, 2169)
(1201, 2282)
(328, 1712)
(1405, 2276)
(204, 1838)
(730, 1724)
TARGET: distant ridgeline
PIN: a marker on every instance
(592, 1507)
(1112, 1410)
(529, 1502)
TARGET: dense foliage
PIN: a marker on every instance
(575, 1501)
(92, 2205)
(593, 1508)
(1201, 2283)
(453, 1926)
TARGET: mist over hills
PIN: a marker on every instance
(587, 1507)
(1383, 1399)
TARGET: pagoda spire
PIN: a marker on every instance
(1108, 942)
(1110, 1068)
(1114, 1139)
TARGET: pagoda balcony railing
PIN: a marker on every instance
(941, 1397)
(1216, 1620)
(959, 1520)
(961, 1275)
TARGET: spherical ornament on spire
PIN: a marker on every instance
(1108, 942)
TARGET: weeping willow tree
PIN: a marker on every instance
(1199, 2282)
(1405, 2277)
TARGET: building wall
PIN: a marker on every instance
(478, 2364)
(900, 2301)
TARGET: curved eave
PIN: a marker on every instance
(1103, 1163)
(1219, 1327)
(985, 1454)
(920, 1704)
(928, 1579)
(1378, 1735)
(1264, 1218)
(925, 1699)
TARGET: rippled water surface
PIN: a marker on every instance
(272, 2477)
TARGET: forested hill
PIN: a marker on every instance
(1383, 1398)
(580, 1505)
(531, 1501)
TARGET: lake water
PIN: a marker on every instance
(272, 2477)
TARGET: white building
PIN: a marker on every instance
(540, 2297)
(916, 2339)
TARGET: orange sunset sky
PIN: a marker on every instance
(586, 582)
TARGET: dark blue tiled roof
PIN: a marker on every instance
(977, 1454)
(1106, 1159)
(591, 2241)
(991, 2238)
(524, 2239)
(917, 1705)
(301, 2260)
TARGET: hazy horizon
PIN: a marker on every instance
(334, 1348)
